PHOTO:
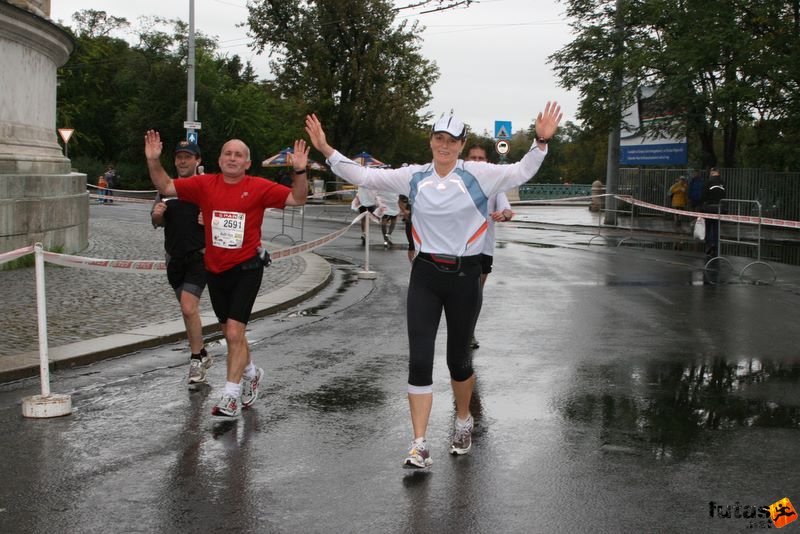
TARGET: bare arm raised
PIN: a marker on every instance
(159, 177)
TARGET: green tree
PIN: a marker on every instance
(111, 92)
(717, 63)
(350, 63)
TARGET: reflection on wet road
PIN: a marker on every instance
(617, 392)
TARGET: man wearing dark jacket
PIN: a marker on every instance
(713, 193)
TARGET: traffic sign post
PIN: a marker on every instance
(502, 129)
(65, 134)
(502, 148)
(191, 130)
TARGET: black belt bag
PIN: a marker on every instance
(447, 263)
(259, 261)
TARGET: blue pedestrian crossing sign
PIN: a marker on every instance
(502, 129)
(191, 137)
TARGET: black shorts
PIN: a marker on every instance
(362, 209)
(486, 263)
(187, 274)
(233, 292)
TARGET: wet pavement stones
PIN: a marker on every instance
(84, 304)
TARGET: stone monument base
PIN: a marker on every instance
(40, 199)
(52, 209)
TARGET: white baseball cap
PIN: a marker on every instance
(451, 125)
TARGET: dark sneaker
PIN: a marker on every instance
(227, 408)
(199, 368)
(462, 437)
(419, 457)
(250, 388)
(473, 343)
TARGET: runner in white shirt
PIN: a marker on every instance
(365, 200)
(499, 211)
(449, 222)
(390, 208)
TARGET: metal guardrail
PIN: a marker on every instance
(778, 193)
(738, 235)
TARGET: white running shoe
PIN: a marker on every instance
(462, 437)
(419, 457)
(250, 388)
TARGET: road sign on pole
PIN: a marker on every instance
(192, 125)
(65, 134)
(501, 147)
(192, 136)
(502, 129)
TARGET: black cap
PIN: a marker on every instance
(189, 147)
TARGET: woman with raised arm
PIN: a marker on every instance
(449, 223)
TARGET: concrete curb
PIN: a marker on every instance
(317, 274)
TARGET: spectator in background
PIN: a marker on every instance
(679, 195)
(713, 194)
(111, 177)
(102, 186)
(696, 186)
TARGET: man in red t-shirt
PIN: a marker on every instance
(232, 204)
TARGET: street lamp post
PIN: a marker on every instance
(191, 105)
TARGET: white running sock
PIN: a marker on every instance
(233, 389)
(250, 370)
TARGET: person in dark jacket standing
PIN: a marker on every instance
(713, 194)
(696, 187)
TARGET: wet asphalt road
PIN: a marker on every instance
(617, 393)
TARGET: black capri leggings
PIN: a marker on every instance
(431, 290)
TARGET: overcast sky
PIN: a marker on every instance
(492, 55)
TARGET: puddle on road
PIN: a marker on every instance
(665, 409)
(346, 392)
(536, 245)
(349, 279)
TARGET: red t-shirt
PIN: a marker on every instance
(232, 214)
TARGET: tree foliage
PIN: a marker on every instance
(352, 64)
(111, 92)
(724, 66)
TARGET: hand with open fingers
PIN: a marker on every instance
(317, 135)
(152, 144)
(547, 121)
(300, 155)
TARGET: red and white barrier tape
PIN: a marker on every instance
(159, 266)
(748, 219)
(11, 255)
